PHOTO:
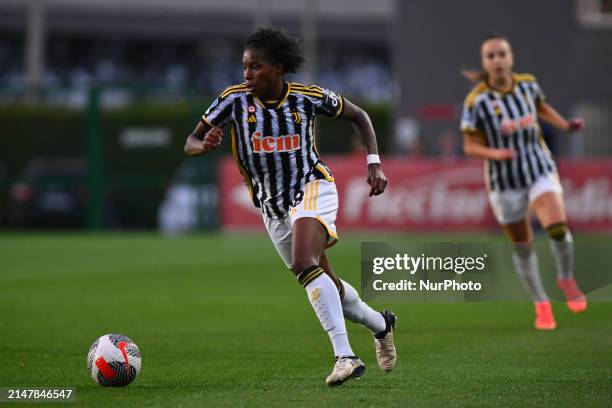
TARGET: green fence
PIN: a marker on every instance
(133, 153)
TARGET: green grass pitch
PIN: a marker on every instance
(221, 322)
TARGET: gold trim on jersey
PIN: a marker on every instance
(523, 77)
(260, 102)
(329, 231)
(284, 97)
(282, 101)
(516, 78)
(312, 90)
(341, 108)
(245, 175)
(487, 176)
(208, 122)
(232, 89)
(303, 92)
(480, 88)
(325, 173)
(313, 87)
(316, 91)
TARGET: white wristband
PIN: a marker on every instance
(373, 158)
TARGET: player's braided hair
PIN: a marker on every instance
(477, 76)
(279, 47)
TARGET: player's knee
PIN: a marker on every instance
(559, 232)
(309, 274)
(300, 264)
(523, 249)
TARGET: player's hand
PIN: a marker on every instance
(504, 154)
(575, 125)
(376, 179)
(212, 139)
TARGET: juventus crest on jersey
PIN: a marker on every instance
(273, 141)
(509, 120)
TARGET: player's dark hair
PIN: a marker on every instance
(278, 47)
(477, 76)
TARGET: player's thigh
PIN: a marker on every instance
(546, 199)
(549, 208)
(309, 239)
(280, 234)
(510, 206)
(519, 232)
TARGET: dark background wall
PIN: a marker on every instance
(436, 39)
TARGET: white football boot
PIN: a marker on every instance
(346, 367)
(385, 347)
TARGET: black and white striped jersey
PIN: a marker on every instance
(509, 120)
(273, 143)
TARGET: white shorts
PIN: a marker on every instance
(319, 200)
(511, 206)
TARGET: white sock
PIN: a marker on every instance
(526, 266)
(563, 252)
(358, 311)
(325, 301)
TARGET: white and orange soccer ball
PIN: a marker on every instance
(113, 360)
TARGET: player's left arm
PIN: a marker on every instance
(362, 123)
(550, 115)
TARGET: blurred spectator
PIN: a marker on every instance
(73, 65)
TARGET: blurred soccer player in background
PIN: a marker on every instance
(273, 145)
(500, 124)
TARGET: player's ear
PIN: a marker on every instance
(280, 70)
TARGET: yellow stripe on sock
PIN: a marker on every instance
(303, 278)
(313, 277)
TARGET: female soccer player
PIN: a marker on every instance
(273, 145)
(500, 124)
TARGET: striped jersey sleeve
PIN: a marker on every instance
(468, 118)
(219, 113)
(532, 83)
(539, 94)
(326, 102)
(470, 121)
(330, 104)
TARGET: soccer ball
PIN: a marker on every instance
(113, 360)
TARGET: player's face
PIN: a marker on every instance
(261, 76)
(497, 58)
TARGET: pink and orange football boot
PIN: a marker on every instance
(576, 301)
(545, 320)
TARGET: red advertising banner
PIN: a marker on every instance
(429, 195)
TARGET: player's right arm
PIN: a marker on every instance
(474, 144)
(208, 134)
(203, 139)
